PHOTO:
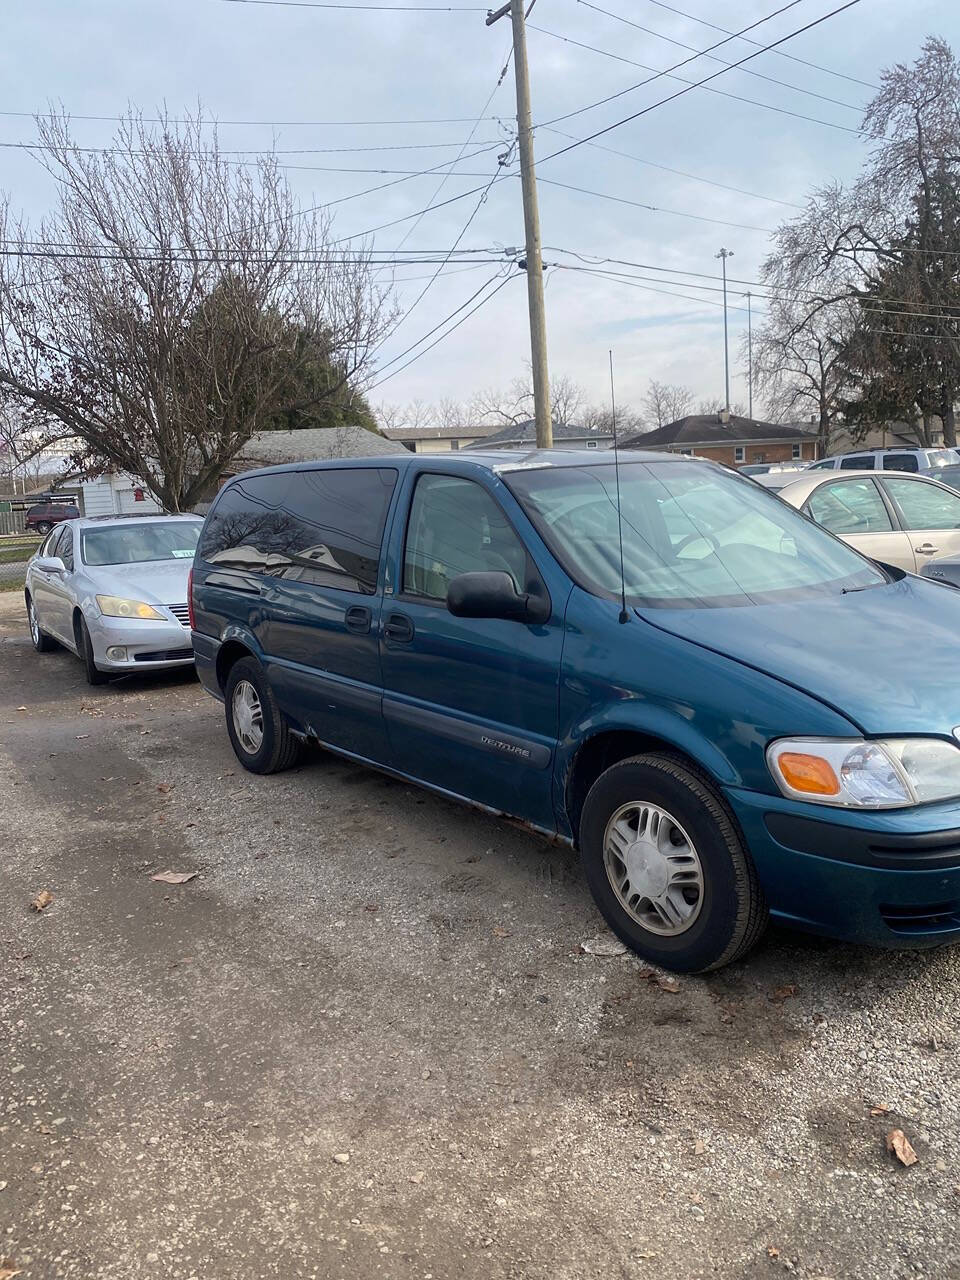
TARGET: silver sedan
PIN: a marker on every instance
(114, 592)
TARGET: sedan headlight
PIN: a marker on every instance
(120, 607)
(856, 774)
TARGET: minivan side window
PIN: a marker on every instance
(322, 527)
(900, 462)
(455, 527)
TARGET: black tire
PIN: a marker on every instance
(41, 641)
(85, 645)
(43, 528)
(731, 913)
(278, 747)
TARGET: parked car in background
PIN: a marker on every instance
(949, 474)
(888, 460)
(903, 520)
(630, 661)
(42, 516)
(114, 591)
(946, 571)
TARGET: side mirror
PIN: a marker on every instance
(50, 564)
(493, 595)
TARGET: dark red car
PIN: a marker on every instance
(44, 515)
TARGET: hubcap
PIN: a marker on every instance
(248, 717)
(34, 625)
(653, 868)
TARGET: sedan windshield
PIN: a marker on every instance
(694, 535)
(137, 543)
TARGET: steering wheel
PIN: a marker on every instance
(696, 537)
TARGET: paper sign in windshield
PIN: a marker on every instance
(182, 555)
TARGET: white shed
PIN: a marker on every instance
(117, 494)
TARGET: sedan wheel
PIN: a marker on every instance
(41, 641)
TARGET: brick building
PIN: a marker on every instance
(730, 439)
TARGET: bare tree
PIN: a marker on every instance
(801, 364)
(665, 402)
(173, 301)
(888, 243)
(514, 404)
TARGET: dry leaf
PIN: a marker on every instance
(8, 1270)
(699, 1147)
(42, 900)
(666, 983)
(500, 932)
(164, 787)
(81, 736)
(880, 1110)
(899, 1145)
(21, 708)
(174, 877)
(783, 993)
(773, 1251)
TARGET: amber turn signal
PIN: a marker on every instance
(810, 774)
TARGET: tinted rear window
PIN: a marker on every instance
(322, 527)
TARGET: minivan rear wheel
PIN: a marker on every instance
(667, 866)
(259, 733)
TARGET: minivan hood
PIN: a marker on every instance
(153, 581)
(887, 658)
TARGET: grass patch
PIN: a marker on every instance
(12, 584)
(15, 554)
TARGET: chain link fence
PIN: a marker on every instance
(15, 550)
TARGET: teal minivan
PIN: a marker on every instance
(729, 712)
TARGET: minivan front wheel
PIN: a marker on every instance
(259, 733)
(667, 866)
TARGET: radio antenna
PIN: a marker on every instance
(624, 616)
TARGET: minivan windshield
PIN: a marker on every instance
(137, 543)
(694, 535)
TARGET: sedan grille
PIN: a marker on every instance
(164, 655)
(181, 612)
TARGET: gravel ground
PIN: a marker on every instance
(364, 1041)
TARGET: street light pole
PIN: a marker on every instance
(531, 223)
(749, 296)
(723, 255)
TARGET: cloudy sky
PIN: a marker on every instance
(304, 78)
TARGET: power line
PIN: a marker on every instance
(214, 123)
(759, 75)
(371, 8)
(482, 303)
(779, 52)
(697, 85)
(652, 208)
(677, 65)
(256, 151)
(680, 173)
(722, 93)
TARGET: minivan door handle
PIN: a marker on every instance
(358, 619)
(399, 628)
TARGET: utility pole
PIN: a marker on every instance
(531, 224)
(748, 295)
(723, 255)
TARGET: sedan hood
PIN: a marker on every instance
(153, 581)
(887, 658)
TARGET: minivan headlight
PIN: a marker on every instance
(120, 607)
(887, 774)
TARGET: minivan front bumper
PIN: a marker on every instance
(889, 878)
